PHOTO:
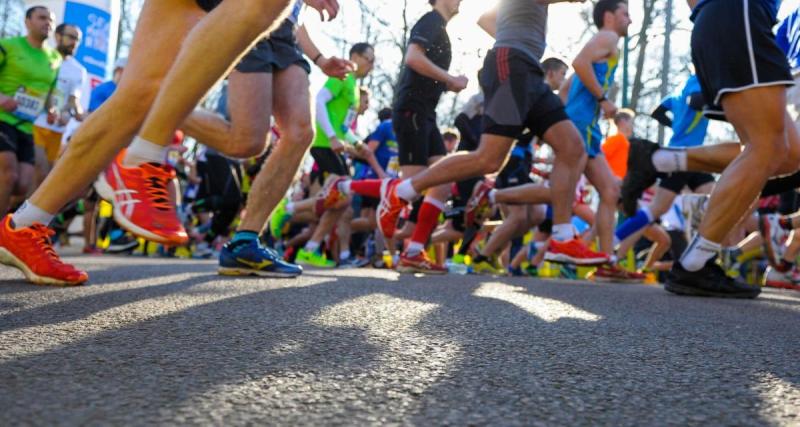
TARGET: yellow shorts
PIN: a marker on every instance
(48, 139)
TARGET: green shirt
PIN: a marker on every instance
(342, 109)
(27, 74)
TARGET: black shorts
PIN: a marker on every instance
(734, 50)
(677, 181)
(277, 52)
(517, 96)
(369, 202)
(418, 138)
(17, 141)
(329, 163)
(208, 5)
(516, 172)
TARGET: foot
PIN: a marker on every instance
(314, 259)
(91, 250)
(353, 262)
(575, 252)
(122, 244)
(486, 267)
(710, 281)
(329, 196)
(250, 258)
(774, 238)
(390, 207)
(478, 206)
(775, 279)
(142, 204)
(279, 219)
(30, 250)
(642, 174)
(419, 263)
(617, 274)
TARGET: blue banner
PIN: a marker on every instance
(93, 51)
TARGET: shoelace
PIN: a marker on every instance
(157, 188)
(41, 237)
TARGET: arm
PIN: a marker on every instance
(323, 97)
(7, 103)
(417, 61)
(333, 66)
(600, 47)
(660, 114)
(488, 22)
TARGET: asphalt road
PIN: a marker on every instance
(155, 341)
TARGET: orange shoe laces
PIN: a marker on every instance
(41, 240)
(157, 179)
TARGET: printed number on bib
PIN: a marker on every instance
(28, 105)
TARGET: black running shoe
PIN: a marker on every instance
(642, 174)
(710, 281)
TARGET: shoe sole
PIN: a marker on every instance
(235, 271)
(679, 289)
(10, 260)
(106, 192)
(779, 285)
(583, 262)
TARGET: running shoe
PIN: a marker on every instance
(616, 274)
(486, 267)
(575, 252)
(775, 279)
(250, 258)
(642, 174)
(314, 259)
(420, 263)
(330, 194)
(141, 201)
(710, 281)
(203, 250)
(91, 250)
(353, 262)
(478, 206)
(123, 243)
(774, 238)
(389, 208)
(279, 219)
(30, 250)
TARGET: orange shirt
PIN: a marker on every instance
(616, 149)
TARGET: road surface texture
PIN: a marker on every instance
(161, 341)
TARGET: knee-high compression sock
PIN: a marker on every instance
(367, 187)
(428, 218)
(642, 219)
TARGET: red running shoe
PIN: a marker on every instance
(478, 206)
(574, 252)
(30, 250)
(389, 208)
(142, 204)
(329, 196)
(419, 264)
(616, 274)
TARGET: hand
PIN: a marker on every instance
(336, 145)
(63, 120)
(8, 104)
(457, 83)
(322, 6)
(52, 116)
(335, 67)
(609, 109)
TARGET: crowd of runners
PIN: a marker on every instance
(524, 182)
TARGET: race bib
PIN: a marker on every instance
(29, 105)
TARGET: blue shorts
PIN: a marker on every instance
(592, 137)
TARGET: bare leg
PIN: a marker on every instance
(515, 224)
(293, 115)
(9, 174)
(213, 47)
(599, 174)
(250, 106)
(114, 124)
(661, 243)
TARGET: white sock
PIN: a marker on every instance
(290, 208)
(699, 252)
(406, 191)
(344, 187)
(311, 246)
(492, 196)
(414, 249)
(141, 151)
(28, 214)
(563, 232)
(671, 160)
(344, 255)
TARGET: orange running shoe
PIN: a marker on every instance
(419, 264)
(329, 196)
(573, 252)
(30, 250)
(389, 208)
(478, 206)
(142, 204)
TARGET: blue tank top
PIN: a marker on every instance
(582, 106)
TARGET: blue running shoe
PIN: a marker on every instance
(250, 258)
